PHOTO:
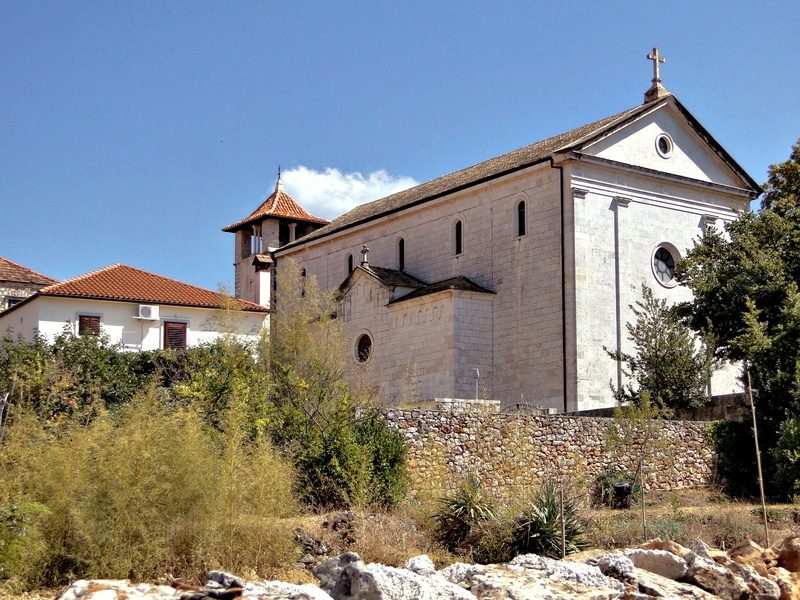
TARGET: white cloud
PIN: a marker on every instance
(331, 193)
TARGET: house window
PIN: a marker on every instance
(458, 238)
(521, 218)
(88, 325)
(349, 264)
(11, 301)
(401, 254)
(174, 335)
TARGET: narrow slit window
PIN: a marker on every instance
(458, 238)
(349, 264)
(401, 254)
(521, 218)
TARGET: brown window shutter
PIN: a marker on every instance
(88, 325)
(174, 335)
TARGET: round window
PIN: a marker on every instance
(664, 145)
(664, 266)
(363, 348)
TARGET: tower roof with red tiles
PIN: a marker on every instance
(279, 205)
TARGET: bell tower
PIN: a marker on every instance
(278, 221)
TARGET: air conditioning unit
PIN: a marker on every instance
(148, 312)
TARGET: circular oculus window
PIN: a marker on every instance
(363, 348)
(664, 267)
(664, 145)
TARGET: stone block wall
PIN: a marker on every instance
(513, 452)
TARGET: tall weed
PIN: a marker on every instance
(146, 492)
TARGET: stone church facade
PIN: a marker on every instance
(507, 280)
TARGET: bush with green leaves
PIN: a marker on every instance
(148, 490)
(461, 515)
(787, 458)
(668, 362)
(538, 528)
(318, 415)
(736, 461)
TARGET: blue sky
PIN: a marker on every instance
(133, 132)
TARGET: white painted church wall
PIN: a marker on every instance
(636, 145)
(525, 272)
(653, 216)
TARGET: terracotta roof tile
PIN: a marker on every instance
(279, 204)
(11, 271)
(121, 282)
(495, 167)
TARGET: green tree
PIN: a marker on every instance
(635, 438)
(667, 363)
(323, 419)
(745, 283)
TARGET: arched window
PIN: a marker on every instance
(521, 218)
(401, 254)
(303, 283)
(458, 238)
(349, 264)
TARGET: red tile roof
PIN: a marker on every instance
(279, 204)
(11, 271)
(121, 282)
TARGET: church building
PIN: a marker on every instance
(507, 280)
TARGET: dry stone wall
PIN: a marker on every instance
(511, 452)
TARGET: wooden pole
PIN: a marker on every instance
(563, 527)
(758, 458)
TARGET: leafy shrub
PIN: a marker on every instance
(786, 455)
(537, 529)
(736, 463)
(461, 514)
(147, 491)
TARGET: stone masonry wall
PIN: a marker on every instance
(509, 452)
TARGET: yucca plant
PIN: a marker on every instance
(461, 513)
(537, 529)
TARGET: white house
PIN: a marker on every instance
(515, 275)
(141, 310)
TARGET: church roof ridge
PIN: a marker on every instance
(278, 204)
(495, 167)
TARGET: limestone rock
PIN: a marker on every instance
(789, 554)
(668, 546)
(498, 582)
(617, 566)
(651, 585)
(704, 572)
(750, 554)
(348, 578)
(761, 588)
(421, 565)
(789, 583)
(659, 562)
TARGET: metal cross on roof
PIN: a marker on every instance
(656, 61)
(364, 252)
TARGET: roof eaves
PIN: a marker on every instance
(254, 308)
